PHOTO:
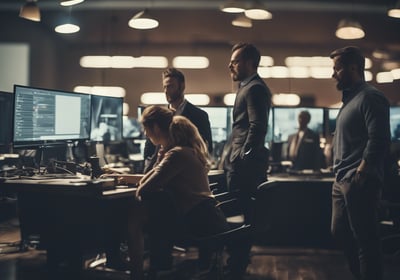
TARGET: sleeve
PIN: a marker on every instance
(163, 173)
(376, 115)
(258, 105)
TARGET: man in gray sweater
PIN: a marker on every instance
(360, 145)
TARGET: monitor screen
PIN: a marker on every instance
(332, 114)
(106, 115)
(48, 116)
(285, 121)
(131, 128)
(5, 118)
(395, 123)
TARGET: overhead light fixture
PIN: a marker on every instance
(233, 6)
(258, 11)
(229, 99)
(30, 11)
(191, 62)
(70, 2)
(242, 21)
(384, 77)
(102, 90)
(143, 20)
(286, 99)
(67, 28)
(349, 29)
(395, 10)
(396, 73)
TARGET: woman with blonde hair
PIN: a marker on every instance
(174, 197)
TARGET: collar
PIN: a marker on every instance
(247, 80)
(180, 108)
(352, 91)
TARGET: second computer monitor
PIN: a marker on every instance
(106, 115)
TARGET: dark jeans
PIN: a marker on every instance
(355, 226)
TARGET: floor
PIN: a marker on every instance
(267, 263)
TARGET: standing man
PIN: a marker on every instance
(173, 82)
(360, 144)
(247, 158)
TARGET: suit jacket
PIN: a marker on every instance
(198, 117)
(250, 120)
(309, 153)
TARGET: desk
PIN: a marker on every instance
(294, 211)
(69, 217)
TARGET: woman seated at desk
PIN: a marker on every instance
(185, 203)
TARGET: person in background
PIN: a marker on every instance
(174, 197)
(303, 147)
(173, 82)
(246, 160)
(360, 146)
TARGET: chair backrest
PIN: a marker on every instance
(293, 213)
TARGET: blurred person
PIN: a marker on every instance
(303, 147)
(360, 146)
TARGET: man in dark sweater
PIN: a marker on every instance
(361, 142)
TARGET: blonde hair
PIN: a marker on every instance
(185, 134)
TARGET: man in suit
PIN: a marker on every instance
(247, 158)
(174, 86)
(303, 147)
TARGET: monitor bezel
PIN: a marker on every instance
(45, 143)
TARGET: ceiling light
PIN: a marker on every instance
(395, 11)
(229, 99)
(321, 72)
(349, 29)
(70, 2)
(384, 77)
(198, 99)
(242, 21)
(286, 99)
(191, 62)
(154, 98)
(257, 11)
(368, 76)
(30, 11)
(233, 6)
(102, 90)
(266, 61)
(396, 73)
(67, 28)
(142, 20)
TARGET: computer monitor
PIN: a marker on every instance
(285, 121)
(106, 118)
(331, 120)
(46, 116)
(395, 123)
(131, 128)
(5, 120)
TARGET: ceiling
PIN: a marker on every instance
(199, 27)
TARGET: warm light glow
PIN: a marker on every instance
(396, 73)
(266, 61)
(102, 61)
(30, 11)
(299, 72)
(321, 72)
(349, 29)
(198, 99)
(279, 72)
(70, 2)
(142, 21)
(384, 77)
(102, 90)
(242, 21)
(285, 99)
(264, 72)
(151, 62)
(229, 99)
(153, 98)
(308, 61)
(125, 109)
(395, 10)
(368, 63)
(232, 6)
(368, 76)
(191, 62)
(258, 14)
(67, 28)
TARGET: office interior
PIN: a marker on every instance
(35, 57)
